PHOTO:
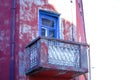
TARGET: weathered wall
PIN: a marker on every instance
(67, 9)
(29, 23)
(80, 29)
(26, 29)
(5, 31)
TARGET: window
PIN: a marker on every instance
(49, 24)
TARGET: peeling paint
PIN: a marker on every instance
(80, 23)
(25, 28)
(4, 39)
(67, 30)
(27, 12)
(21, 64)
(27, 23)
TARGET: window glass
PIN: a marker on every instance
(52, 33)
(43, 32)
(47, 22)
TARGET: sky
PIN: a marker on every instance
(102, 22)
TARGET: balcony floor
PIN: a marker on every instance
(53, 73)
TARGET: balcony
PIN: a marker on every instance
(56, 58)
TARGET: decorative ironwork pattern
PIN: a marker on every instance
(33, 55)
(50, 53)
(63, 54)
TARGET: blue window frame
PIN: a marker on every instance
(48, 24)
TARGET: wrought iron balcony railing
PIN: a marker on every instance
(62, 57)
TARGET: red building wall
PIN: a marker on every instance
(16, 30)
(80, 22)
(5, 31)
